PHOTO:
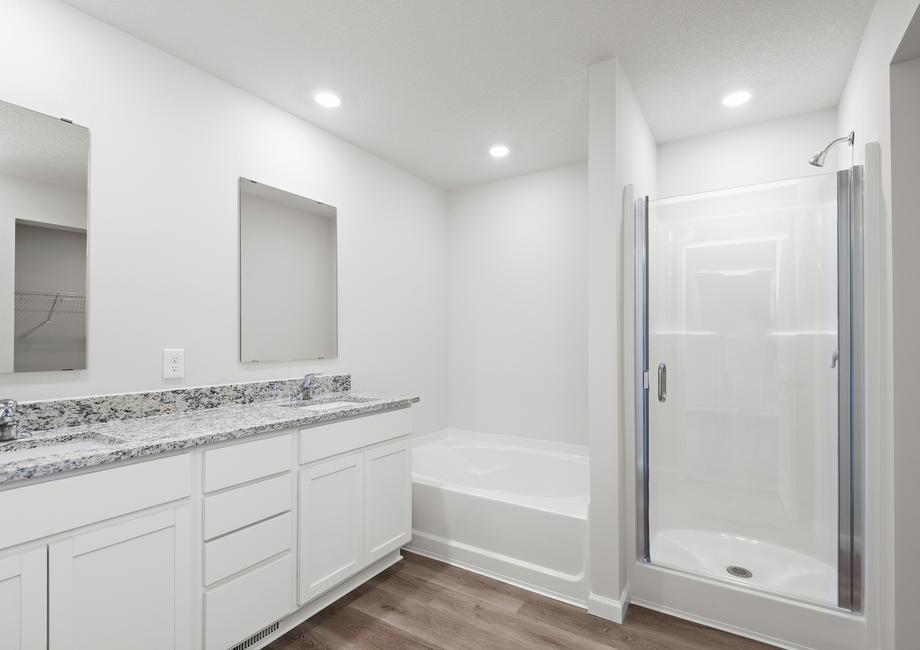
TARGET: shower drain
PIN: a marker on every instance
(739, 571)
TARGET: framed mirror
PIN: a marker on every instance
(288, 276)
(44, 164)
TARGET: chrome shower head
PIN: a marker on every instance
(818, 159)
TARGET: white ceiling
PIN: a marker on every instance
(43, 148)
(430, 84)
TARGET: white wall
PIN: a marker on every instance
(29, 200)
(517, 356)
(287, 281)
(866, 109)
(905, 230)
(168, 145)
(621, 152)
(760, 153)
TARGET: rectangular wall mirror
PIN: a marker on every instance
(288, 278)
(43, 203)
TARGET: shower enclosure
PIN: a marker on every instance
(749, 449)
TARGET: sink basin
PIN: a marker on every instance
(330, 405)
(27, 448)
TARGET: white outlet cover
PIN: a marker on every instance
(173, 363)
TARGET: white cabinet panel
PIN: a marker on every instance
(23, 601)
(331, 523)
(55, 506)
(241, 607)
(388, 499)
(126, 585)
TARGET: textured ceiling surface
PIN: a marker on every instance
(42, 148)
(430, 84)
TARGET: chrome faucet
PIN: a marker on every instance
(306, 388)
(9, 421)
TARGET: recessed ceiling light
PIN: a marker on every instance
(499, 151)
(736, 98)
(327, 98)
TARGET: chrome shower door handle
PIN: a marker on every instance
(662, 382)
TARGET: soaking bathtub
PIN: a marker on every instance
(509, 508)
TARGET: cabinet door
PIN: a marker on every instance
(23, 600)
(331, 526)
(127, 585)
(388, 499)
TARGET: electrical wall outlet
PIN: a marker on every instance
(173, 363)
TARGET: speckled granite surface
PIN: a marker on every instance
(54, 414)
(108, 435)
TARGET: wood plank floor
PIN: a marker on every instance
(422, 603)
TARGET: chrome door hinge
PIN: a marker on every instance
(645, 379)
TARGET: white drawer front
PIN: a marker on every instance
(56, 506)
(243, 506)
(237, 551)
(338, 437)
(243, 606)
(246, 461)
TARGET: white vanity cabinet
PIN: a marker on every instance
(355, 497)
(105, 560)
(23, 600)
(221, 547)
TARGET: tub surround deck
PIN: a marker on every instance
(120, 427)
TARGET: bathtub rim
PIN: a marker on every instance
(548, 504)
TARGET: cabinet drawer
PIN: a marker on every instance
(246, 461)
(237, 551)
(243, 506)
(243, 606)
(336, 438)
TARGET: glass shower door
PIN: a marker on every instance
(740, 443)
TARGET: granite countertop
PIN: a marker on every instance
(99, 443)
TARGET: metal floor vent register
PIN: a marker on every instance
(258, 636)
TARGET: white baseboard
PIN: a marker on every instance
(612, 610)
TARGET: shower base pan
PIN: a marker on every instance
(746, 562)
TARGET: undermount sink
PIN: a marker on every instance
(331, 405)
(37, 447)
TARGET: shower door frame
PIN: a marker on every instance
(850, 389)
